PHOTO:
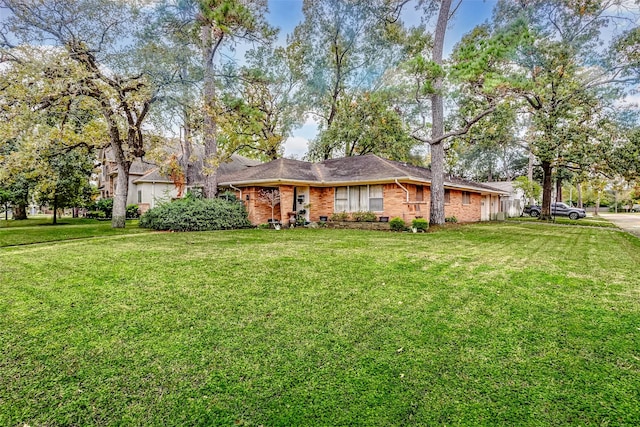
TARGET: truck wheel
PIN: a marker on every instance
(534, 214)
(573, 215)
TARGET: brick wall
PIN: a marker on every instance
(395, 204)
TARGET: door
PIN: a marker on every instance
(485, 208)
(302, 205)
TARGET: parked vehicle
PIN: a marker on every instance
(557, 209)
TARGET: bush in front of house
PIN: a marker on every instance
(133, 212)
(339, 216)
(420, 224)
(364, 216)
(451, 219)
(397, 224)
(196, 215)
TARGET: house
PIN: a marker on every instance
(351, 184)
(148, 186)
(513, 201)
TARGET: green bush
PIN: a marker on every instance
(364, 216)
(340, 216)
(133, 212)
(420, 223)
(95, 215)
(397, 224)
(106, 206)
(451, 219)
(196, 215)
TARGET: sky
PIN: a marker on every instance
(286, 14)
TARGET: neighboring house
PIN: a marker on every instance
(512, 203)
(351, 184)
(147, 185)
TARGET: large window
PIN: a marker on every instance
(447, 196)
(359, 198)
(466, 198)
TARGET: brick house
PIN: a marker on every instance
(390, 189)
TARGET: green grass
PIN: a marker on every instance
(487, 324)
(590, 221)
(41, 230)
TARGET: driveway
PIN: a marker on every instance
(629, 222)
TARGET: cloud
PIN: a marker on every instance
(296, 146)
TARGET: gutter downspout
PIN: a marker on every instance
(237, 189)
(406, 191)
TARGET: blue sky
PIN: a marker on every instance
(286, 14)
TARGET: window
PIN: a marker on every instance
(447, 196)
(359, 198)
(419, 193)
(139, 196)
(466, 198)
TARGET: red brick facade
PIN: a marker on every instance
(395, 203)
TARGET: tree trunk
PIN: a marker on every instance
(210, 163)
(436, 214)
(186, 148)
(558, 189)
(546, 190)
(55, 209)
(597, 206)
(530, 175)
(20, 211)
(579, 191)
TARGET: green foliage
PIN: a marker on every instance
(397, 224)
(364, 216)
(105, 206)
(133, 211)
(420, 223)
(531, 189)
(96, 215)
(339, 216)
(451, 219)
(196, 215)
(364, 123)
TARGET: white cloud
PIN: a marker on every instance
(296, 146)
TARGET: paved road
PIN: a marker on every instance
(629, 222)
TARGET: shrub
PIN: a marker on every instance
(106, 206)
(420, 223)
(196, 215)
(95, 214)
(397, 224)
(451, 219)
(340, 216)
(364, 216)
(133, 212)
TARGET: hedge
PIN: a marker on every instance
(196, 215)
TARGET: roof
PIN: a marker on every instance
(235, 164)
(343, 171)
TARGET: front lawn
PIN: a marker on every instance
(41, 230)
(590, 221)
(486, 324)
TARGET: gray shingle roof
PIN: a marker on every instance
(368, 168)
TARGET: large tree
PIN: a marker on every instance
(222, 22)
(342, 47)
(562, 72)
(97, 37)
(472, 80)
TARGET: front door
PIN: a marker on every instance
(301, 202)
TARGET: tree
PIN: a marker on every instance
(473, 77)
(221, 21)
(106, 71)
(531, 189)
(365, 123)
(257, 109)
(561, 75)
(342, 47)
(270, 197)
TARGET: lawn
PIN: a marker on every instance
(590, 221)
(487, 324)
(41, 230)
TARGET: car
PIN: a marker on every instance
(557, 209)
